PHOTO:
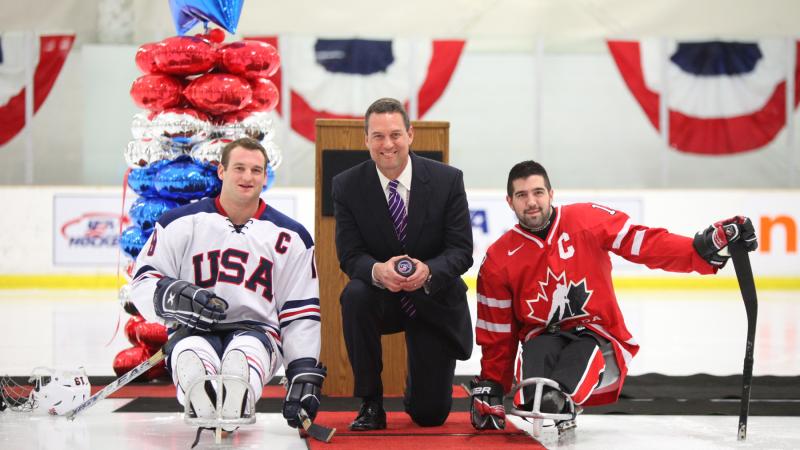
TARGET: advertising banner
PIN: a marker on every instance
(86, 229)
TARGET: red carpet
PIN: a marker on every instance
(402, 434)
(163, 390)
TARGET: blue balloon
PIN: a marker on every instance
(270, 178)
(145, 211)
(187, 13)
(132, 240)
(142, 181)
(185, 180)
(214, 183)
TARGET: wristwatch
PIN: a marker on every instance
(427, 284)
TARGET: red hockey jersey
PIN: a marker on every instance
(526, 283)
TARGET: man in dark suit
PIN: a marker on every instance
(401, 205)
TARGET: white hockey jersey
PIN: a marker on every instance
(264, 269)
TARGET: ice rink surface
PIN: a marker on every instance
(681, 332)
(100, 428)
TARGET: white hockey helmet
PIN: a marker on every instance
(55, 392)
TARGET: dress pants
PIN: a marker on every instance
(369, 312)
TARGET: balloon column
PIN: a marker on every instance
(199, 94)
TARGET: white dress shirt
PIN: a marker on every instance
(403, 185)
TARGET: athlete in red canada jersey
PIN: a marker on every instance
(546, 283)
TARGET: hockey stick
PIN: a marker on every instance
(744, 273)
(318, 432)
(129, 376)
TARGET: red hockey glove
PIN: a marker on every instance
(712, 242)
(486, 408)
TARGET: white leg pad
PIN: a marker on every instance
(195, 359)
(234, 363)
(261, 364)
(190, 370)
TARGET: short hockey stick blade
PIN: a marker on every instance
(318, 432)
(744, 273)
(129, 376)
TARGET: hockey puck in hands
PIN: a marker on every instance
(405, 267)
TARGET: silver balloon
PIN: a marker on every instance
(230, 131)
(180, 128)
(124, 294)
(163, 150)
(258, 126)
(209, 152)
(273, 154)
(141, 126)
(142, 152)
(136, 154)
(124, 297)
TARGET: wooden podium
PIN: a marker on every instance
(340, 145)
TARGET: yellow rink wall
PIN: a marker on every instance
(105, 282)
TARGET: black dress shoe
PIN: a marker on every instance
(371, 416)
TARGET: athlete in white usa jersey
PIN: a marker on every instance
(239, 252)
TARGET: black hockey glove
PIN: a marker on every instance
(712, 242)
(304, 379)
(486, 408)
(187, 304)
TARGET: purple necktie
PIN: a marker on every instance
(397, 209)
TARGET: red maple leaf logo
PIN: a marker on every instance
(558, 299)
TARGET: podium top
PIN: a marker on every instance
(360, 123)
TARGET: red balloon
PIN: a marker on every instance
(232, 117)
(152, 335)
(251, 59)
(156, 91)
(219, 93)
(216, 35)
(130, 329)
(184, 55)
(265, 95)
(190, 111)
(144, 59)
(131, 357)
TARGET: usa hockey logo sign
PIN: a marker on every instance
(93, 229)
(86, 230)
(722, 97)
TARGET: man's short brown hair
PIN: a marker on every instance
(386, 105)
(245, 142)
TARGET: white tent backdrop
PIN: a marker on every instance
(503, 24)
(577, 117)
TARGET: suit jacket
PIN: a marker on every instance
(439, 233)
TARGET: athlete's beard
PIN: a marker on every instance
(545, 222)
